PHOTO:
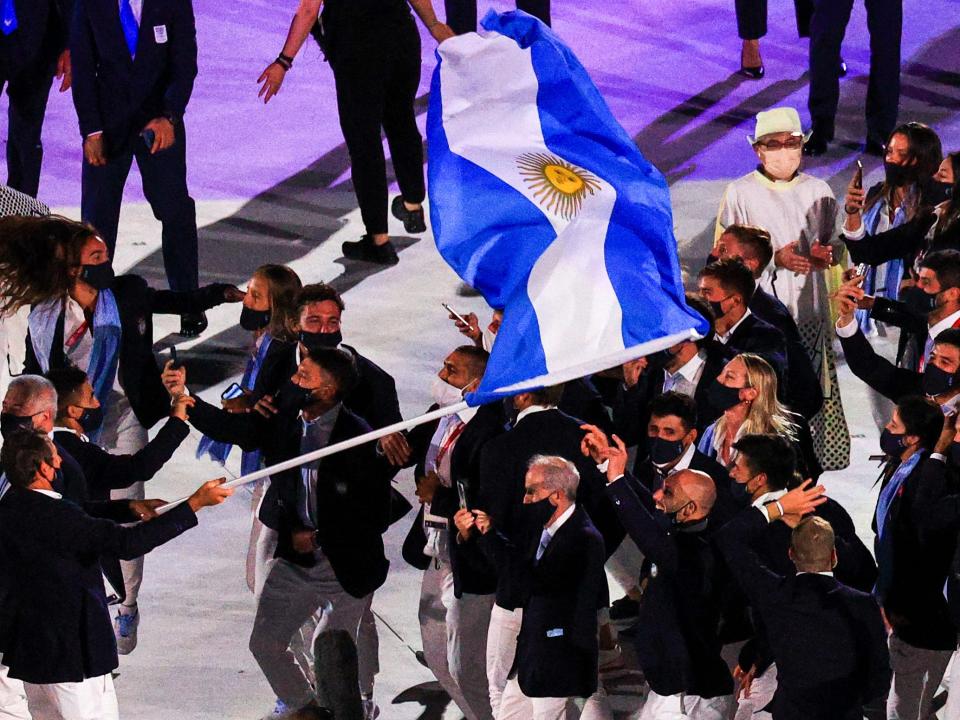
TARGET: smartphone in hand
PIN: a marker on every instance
(858, 177)
(173, 356)
(148, 137)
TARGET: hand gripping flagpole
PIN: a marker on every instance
(331, 450)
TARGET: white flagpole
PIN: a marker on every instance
(332, 449)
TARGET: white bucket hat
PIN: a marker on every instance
(778, 120)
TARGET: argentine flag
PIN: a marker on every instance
(542, 203)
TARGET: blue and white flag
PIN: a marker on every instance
(542, 202)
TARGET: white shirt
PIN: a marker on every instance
(686, 379)
(136, 6)
(48, 493)
(761, 502)
(531, 410)
(552, 528)
(79, 354)
(725, 338)
(944, 324)
(684, 462)
(828, 573)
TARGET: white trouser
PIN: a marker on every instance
(625, 564)
(953, 687)
(686, 707)
(454, 634)
(92, 699)
(761, 693)
(124, 435)
(501, 651)
(13, 699)
(916, 677)
(514, 705)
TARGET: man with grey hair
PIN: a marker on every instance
(560, 575)
(31, 402)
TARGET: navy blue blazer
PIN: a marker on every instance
(677, 639)
(119, 94)
(353, 491)
(828, 639)
(472, 570)
(557, 649)
(41, 35)
(57, 627)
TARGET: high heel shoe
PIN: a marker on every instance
(754, 73)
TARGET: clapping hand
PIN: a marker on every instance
(788, 257)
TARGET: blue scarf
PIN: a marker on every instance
(884, 544)
(894, 268)
(105, 357)
(219, 451)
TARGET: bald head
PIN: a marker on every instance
(687, 494)
(699, 488)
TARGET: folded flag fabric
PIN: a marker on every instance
(541, 201)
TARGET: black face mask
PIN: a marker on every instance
(10, 423)
(739, 492)
(537, 514)
(663, 451)
(291, 398)
(319, 341)
(659, 359)
(717, 307)
(99, 276)
(936, 381)
(721, 397)
(938, 192)
(897, 175)
(253, 320)
(91, 420)
(955, 453)
(891, 443)
(673, 516)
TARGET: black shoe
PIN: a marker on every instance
(626, 608)
(368, 251)
(873, 147)
(192, 324)
(413, 221)
(843, 67)
(817, 144)
(753, 73)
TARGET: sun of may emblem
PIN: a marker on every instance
(556, 184)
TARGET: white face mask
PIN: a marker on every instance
(486, 338)
(444, 394)
(781, 164)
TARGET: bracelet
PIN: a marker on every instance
(779, 507)
(284, 61)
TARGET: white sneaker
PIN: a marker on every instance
(371, 711)
(125, 630)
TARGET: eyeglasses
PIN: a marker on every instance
(794, 143)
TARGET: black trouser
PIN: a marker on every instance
(377, 79)
(827, 28)
(462, 14)
(752, 18)
(28, 90)
(165, 187)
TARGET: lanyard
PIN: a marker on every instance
(451, 439)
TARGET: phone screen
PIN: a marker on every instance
(234, 391)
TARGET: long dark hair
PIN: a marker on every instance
(951, 213)
(924, 148)
(36, 256)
